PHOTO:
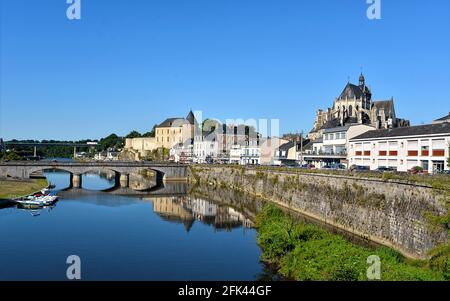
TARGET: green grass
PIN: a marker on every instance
(307, 252)
(15, 188)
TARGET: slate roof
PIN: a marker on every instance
(386, 105)
(191, 118)
(444, 118)
(169, 122)
(428, 129)
(353, 91)
(337, 129)
(286, 146)
(336, 122)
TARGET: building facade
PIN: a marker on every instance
(171, 132)
(402, 149)
(332, 147)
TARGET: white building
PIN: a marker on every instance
(182, 152)
(206, 147)
(235, 154)
(251, 155)
(426, 146)
(333, 145)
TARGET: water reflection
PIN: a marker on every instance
(187, 210)
(132, 235)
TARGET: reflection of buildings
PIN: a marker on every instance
(172, 209)
(186, 210)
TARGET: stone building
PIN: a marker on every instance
(356, 106)
(169, 133)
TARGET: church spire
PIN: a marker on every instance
(362, 80)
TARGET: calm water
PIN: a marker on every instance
(129, 237)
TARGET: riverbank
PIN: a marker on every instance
(409, 217)
(15, 188)
(307, 252)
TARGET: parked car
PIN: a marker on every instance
(359, 168)
(335, 166)
(386, 169)
(308, 166)
(444, 172)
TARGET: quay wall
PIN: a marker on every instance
(387, 212)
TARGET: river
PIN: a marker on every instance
(130, 237)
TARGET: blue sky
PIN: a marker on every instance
(129, 64)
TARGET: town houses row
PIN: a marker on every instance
(355, 131)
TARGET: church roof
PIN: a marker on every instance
(353, 91)
(386, 105)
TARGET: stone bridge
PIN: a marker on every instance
(163, 172)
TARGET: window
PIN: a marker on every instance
(350, 111)
(393, 153)
(438, 148)
(424, 164)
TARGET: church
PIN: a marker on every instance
(356, 106)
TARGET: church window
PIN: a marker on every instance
(350, 110)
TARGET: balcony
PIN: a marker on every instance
(382, 153)
(393, 153)
(425, 153)
(323, 154)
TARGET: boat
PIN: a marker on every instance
(37, 200)
(29, 204)
(47, 199)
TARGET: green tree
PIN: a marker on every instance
(111, 141)
(133, 134)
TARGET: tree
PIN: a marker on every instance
(133, 134)
(112, 141)
(151, 133)
(10, 156)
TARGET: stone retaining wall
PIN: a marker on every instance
(389, 213)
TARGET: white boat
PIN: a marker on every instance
(47, 199)
(30, 203)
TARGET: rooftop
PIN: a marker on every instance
(428, 129)
(444, 118)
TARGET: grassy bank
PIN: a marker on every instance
(14, 188)
(308, 252)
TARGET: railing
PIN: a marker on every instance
(322, 153)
